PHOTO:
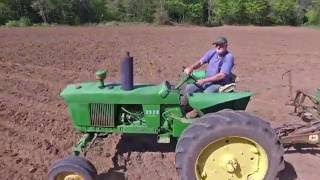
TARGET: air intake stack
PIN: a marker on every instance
(127, 73)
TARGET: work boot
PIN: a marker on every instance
(192, 114)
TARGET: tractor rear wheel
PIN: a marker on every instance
(72, 168)
(229, 145)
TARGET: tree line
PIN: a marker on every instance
(200, 12)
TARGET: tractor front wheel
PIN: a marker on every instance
(72, 168)
(229, 145)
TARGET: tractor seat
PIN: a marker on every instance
(229, 87)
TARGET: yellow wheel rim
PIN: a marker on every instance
(69, 176)
(232, 158)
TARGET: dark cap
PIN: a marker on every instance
(220, 41)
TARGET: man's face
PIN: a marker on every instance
(221, 48)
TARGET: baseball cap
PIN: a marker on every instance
(220, 40)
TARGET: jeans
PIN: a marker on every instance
(208, 88)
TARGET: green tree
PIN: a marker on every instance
(21, 8)
(5, 12)
(210, 12)
(284, 12)
(313, 14)
(256, 11)
(43, 7)
(140, 10)
(161, 14)
(98, 10)
(177, 10)
(64, 12)
(195, 13)
(229, 11)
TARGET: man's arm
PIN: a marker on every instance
(226, 69)
(215, 78)
(194, 66)
(204, 59)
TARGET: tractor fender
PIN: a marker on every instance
(213, 102)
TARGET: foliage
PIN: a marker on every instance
(161, 16)
(22, 22)
(195, 13)
(203, 12)
(229, 11)
(313, 15)
(256, 11)
(177, 10)
(284, 12)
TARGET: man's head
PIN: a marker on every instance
(221, 45)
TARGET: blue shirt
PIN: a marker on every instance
(217, 64)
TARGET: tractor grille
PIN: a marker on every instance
(102, 115)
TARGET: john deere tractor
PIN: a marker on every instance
(224, 143)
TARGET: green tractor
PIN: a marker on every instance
(223, 143)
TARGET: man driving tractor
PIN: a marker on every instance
(219, 71)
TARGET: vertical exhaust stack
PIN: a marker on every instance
(127, 73)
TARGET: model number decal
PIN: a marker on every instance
(152, 112)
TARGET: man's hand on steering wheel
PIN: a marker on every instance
(188, 70)
(200, 82)
(188, 75)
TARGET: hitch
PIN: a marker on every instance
(307, 132)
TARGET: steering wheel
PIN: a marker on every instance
(190, 76)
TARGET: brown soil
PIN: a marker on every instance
(36, 63)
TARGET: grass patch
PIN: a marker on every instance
(312, 26)
(22, 22)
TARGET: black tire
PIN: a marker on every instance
(227, 123)
(73, 164)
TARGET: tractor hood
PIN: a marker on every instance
(212, 102)
(91, 92)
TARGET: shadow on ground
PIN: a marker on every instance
(111, 176)
(133, 143)
(141, 143)
(289, 173)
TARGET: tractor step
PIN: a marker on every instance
(164, 138)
